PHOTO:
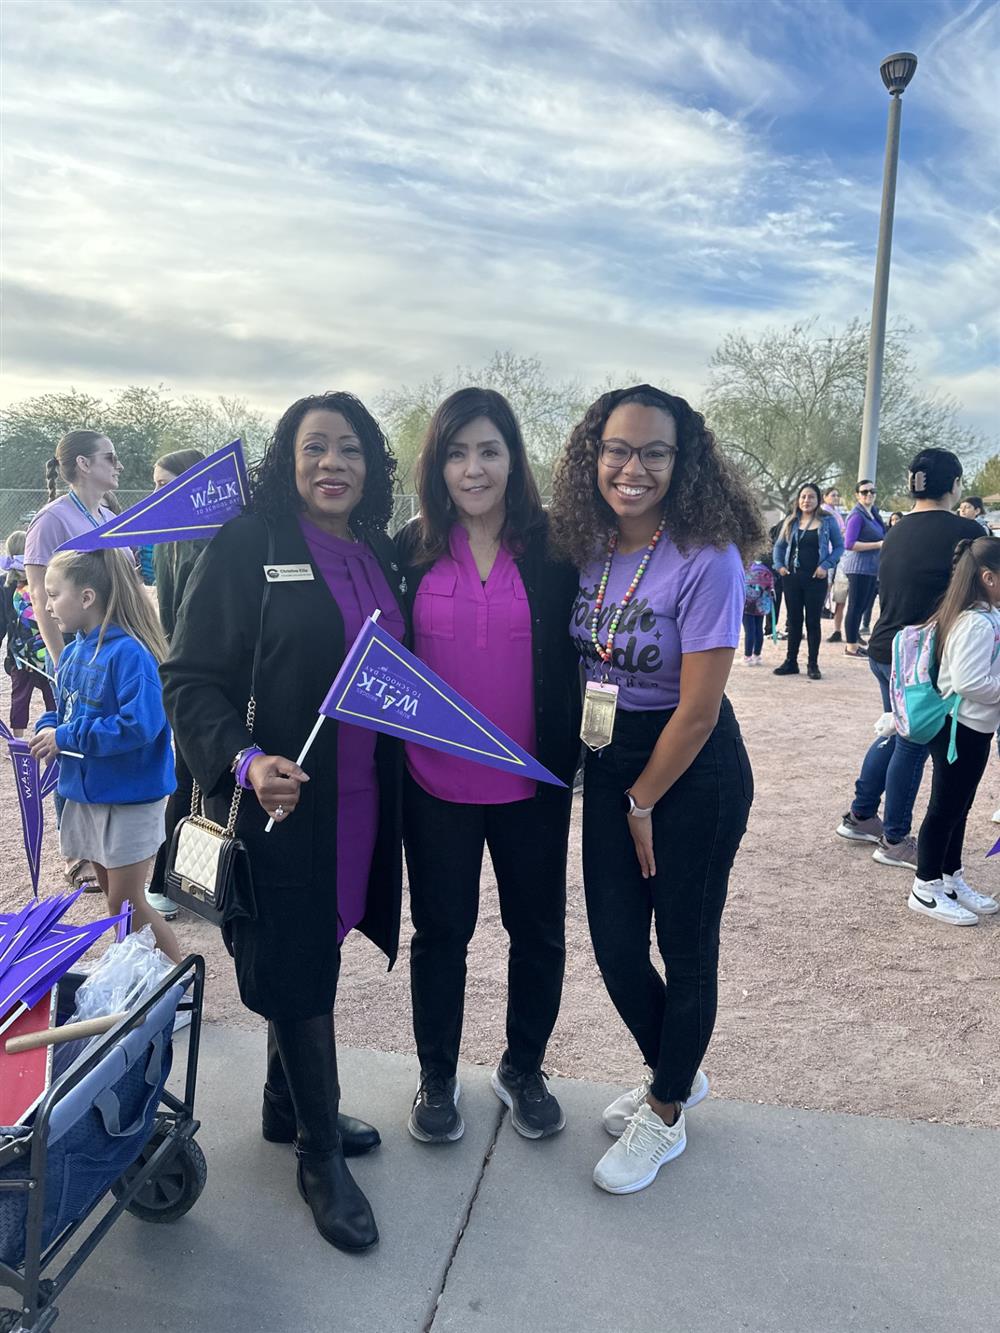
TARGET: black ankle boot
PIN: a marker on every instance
(340, 1210)
(277, 1117)
(342, 1214)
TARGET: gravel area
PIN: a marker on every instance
(834, 996)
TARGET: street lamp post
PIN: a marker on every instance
(897, 71)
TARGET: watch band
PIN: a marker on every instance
(640, 812)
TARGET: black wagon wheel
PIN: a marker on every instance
(173, 1189)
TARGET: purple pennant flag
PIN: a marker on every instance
(29, 797)
(6, 733)
(195, 505)
(995, 849)
(49, 780)
(384, 687)
(47, 960)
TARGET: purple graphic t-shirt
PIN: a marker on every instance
(684, 604)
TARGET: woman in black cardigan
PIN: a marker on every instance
(297, 574)
(491, 611)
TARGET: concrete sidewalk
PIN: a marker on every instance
(773, 1219)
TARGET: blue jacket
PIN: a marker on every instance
(110, 710)
(831, 545)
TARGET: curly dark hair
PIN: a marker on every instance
(437, 513)
(708, 503)
(273, 493)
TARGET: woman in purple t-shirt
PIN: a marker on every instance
(667, 793)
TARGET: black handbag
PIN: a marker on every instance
(208, 866)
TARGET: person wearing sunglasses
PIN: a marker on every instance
(863, 536)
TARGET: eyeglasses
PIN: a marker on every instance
(113, 459)
(653, 457)
(867, 490)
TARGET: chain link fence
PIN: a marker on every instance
(18, 507)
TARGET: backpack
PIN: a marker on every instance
(758, 583)
(918, 709)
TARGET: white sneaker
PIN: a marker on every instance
(968, 897)
(748, 661)
(159, 902)
(996, 816)
(755, 661)
(933, 900)
(631, 1163)
(617, 1115)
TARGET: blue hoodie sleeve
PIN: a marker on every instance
(139, 718)
(47, 720)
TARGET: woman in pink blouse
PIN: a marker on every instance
(489, 608)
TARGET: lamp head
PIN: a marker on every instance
(897, 71)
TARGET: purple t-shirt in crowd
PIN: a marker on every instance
(54, 524)
(684, 604)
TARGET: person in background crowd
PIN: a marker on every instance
(863, 538)
(490, 608)
(914, 570)
(666, 799)
(836, 597)
(24, 660)
(967, 652)
(86, 461)
(766, 557)
(321, 497)
(894, 517)
(809, 544)
(759, 603)
(172, 566)
(116, 770)
(972, 507)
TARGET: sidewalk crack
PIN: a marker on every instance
(487, 1158)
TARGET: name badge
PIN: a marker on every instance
(288, 573)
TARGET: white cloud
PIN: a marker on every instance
(270, 198)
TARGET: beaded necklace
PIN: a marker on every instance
(606, 653)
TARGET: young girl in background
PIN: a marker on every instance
(967, 647)
(759, 603)
(109, 726)
(25, 658)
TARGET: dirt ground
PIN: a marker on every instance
(833, 995)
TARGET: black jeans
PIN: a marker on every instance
(953, 789)
(697, 828)
(859, 603)
(804, 594)
(444, 845)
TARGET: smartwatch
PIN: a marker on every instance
(630, 807)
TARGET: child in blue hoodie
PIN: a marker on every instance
(109, 729)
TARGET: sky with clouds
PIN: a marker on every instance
(268, 199)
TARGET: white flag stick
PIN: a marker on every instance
(310, 738)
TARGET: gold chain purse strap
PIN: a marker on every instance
(197, 799)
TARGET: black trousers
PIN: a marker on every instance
(771, 621)
(444, 845)
(953, 789)
(697, 828)
(804, 596)
(860, 600)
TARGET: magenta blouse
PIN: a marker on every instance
(358, 586)
(478, 638)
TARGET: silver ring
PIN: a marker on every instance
(279, 812)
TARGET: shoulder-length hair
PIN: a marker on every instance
(524, 513)
(273, 493)
(966, 588)
(708, 503)
(115, 580)
(796, 514)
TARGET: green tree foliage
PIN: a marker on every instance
(546, 409)
(787, 406)
(986, 482)
(142, 423)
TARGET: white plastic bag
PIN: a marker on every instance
(128, 972)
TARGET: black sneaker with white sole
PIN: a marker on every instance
(435, 1117)
(534, 1112)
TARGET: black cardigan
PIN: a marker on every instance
(286, 961)
(551, 586)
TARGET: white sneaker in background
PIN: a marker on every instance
(617, 1115)
(996, 816)
(932, 899)
(159, 902)
(631, 1163)
(968, 896)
